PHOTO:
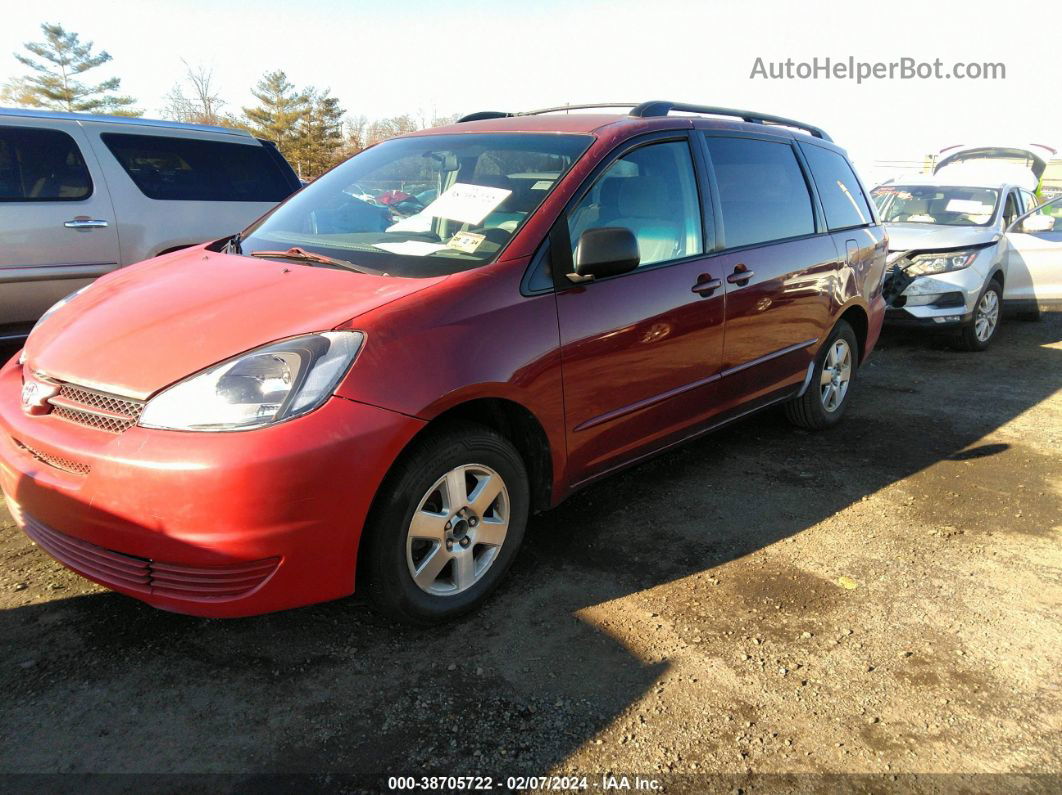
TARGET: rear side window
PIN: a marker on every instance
(40, 165)
(762, 192)
(187, 169)
(842, 197)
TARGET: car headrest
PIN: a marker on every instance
(642, 197)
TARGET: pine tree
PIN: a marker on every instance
(60, 59)
(279, 114)
(320, 144)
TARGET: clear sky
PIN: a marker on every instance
(386, 58)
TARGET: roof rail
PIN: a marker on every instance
(495, 114)
(663, 108)
(136, 121)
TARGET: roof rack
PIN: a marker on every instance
(662, 108)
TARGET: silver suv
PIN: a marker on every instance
(81, 195)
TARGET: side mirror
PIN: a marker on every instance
(1037, 223)
(607, 251)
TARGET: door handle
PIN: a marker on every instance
(706, 285)
(740, 276)
(85, 223)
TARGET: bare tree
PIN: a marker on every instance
(201, 104)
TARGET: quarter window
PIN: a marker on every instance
(188, 169)
(41, 165)
(653, 192)
(842, 197)
(762, 192)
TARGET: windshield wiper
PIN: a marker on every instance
(297, 253)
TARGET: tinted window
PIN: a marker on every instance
(842, 197)
(651, 191)
(762, 192)
(41, 165)
(187, 169)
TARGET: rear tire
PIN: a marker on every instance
(824, 401)
(978, 334)
(437, 543)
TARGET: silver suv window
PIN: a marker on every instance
(38, 165)
(189, 169)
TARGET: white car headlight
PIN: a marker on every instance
(926, 264)
(261, 387)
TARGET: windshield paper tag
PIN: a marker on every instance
(466, 242)
(469, 204)
(411, 248)
(968, 206)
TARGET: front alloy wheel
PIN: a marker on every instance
(981, 330)
(446, 524)
(458, 530)
(987, 316)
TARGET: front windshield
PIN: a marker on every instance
(930, 204)
(421, 206)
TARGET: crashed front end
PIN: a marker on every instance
(935, 289)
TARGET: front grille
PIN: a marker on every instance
(143, 575)
(65, 464)
(94, 409)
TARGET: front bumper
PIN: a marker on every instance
(944, 300)
(210, 524)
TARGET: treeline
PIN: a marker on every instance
(309, 126)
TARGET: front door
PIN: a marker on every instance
(641, 351)
(1034, 258)
(58, 223)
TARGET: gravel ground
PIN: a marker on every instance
(883, 599)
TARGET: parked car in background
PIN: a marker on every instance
(951, 244)
(264, 421)
(81, 195)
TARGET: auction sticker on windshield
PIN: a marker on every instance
(466, 203)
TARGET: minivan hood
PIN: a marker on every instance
(147, 326)
(931, 237)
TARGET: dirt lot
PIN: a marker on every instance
(881, 599)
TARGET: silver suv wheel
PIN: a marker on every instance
(458, 530)
(986, 316)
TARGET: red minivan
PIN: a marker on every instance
(374, 385)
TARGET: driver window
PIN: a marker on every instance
(651, 191)
(1010, 210)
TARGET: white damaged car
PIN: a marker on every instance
(960, 247)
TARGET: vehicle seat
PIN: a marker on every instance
(643, 205)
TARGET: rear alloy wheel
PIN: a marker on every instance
(979, 332)
(826, 397)
(446, 525)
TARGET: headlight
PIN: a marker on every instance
(258, 388)
(925, 264)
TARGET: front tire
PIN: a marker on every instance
(978, 334)
(824, 401)
(446, 525)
